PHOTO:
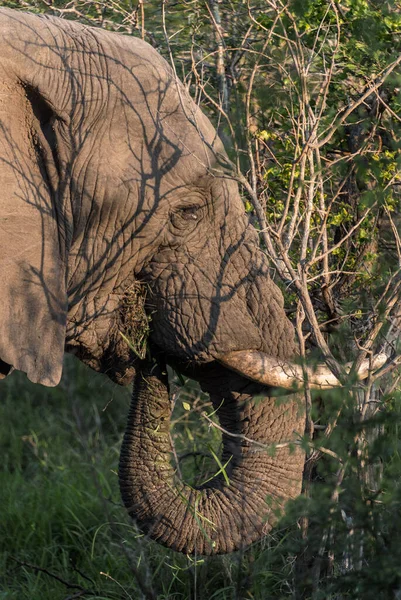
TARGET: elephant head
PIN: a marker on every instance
(112, 178)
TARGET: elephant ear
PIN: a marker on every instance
(32, 269)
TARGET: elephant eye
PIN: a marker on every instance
(190, 213)
(182, 218)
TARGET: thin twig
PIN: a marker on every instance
(64, 582)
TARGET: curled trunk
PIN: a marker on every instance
(220, 516)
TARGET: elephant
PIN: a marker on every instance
(115, 187)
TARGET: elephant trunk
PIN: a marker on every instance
(235, 508)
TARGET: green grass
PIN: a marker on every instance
(64, 533)
(61, 510)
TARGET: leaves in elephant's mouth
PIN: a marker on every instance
(134, 322)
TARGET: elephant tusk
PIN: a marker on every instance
(288, 375)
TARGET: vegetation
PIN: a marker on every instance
(306, 96)
(63, 530)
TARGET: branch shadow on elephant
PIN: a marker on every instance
(117, 214)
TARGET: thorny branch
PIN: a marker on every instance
(320, 222)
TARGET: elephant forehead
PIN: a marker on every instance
(151, 147)
(154, 117)
(90, 75)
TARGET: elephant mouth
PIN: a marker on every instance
(288, 375)
(5, 369)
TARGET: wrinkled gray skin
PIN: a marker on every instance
(109, 175)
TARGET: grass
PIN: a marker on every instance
(63, 530)
(64, 533)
